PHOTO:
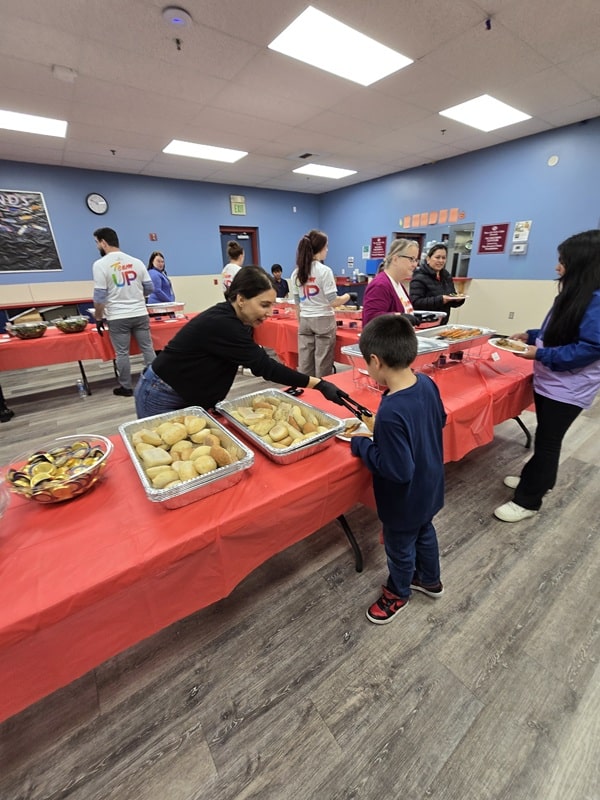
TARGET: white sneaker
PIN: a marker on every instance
(511, 512)
(512, 481)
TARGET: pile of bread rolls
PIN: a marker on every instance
(279, 423)
(182, 449)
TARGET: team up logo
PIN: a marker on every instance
(123, 274)
(309, 291)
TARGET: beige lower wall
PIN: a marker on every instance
(489, 303)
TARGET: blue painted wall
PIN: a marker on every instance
(186, 215)
(506, 183)
(501, 184)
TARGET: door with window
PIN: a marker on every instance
(247, 238)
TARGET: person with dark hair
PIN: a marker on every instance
(431, 286)
(6, 413)
(282, 287)
(405, 458)
(163, 289)
(315, 295)
(235, 254)
(121, 285)
(566, 370)
(199, 364)
(385, 294)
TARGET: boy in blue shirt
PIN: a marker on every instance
(406, 459)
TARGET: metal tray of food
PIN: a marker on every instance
(195, 488)
(155, 309)
(293, 452)
(427, 352)
(457, 337)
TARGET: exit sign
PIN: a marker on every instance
(238, 204)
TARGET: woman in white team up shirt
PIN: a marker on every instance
(235, 253)
(315, 295)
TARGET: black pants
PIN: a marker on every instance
(539, 474)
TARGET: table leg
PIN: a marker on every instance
(523, 427)
(353, 543)
(84, 379)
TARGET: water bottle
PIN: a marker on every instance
(81, 390)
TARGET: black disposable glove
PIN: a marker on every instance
(331, 392)
(411, 318)
(353, 296)
(100, 326)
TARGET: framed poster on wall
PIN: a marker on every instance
(26, 239)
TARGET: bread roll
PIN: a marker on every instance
(152, 472)
(182, 449)
(205, 464)
(186, 470)
(155, 456)
(151, 437)
(278, 432)
(173, 433)
(164, 477)
(221, 456)
(201, 450)
(194, 424)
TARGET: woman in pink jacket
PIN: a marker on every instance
(385, 294)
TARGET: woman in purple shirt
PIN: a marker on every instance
(385, 294)
(566, 372)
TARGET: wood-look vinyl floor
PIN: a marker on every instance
(285, 690)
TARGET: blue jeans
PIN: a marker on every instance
(120, 332)
(154, 396)
(412, 552)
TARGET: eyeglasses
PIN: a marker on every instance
(410, 258)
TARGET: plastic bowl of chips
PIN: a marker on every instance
(71, 324)
(27, 330)
(60, 469)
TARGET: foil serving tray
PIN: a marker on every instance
(196, 488)
(479, 336)
(290, 454)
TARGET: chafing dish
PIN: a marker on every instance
(427, 352)
(293, 453)
(471, 336)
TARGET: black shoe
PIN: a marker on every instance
(6, 414)
(123, 392)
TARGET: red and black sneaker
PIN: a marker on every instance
(435, 590)
(386, 608)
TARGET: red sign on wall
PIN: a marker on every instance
(493, 238)
(378, 246)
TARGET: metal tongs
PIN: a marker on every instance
(356, 408)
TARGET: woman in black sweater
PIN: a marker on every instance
(199, 364)
(431, 286)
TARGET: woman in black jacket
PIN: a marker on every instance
(431, 286)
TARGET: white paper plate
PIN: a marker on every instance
(496, 343)
(362, 428)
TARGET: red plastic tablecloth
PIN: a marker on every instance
(84, 580)
(281, 334)
(56, 347)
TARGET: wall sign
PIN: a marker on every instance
(238, 204)
(26, 238)
(493, 238)
(378, 246)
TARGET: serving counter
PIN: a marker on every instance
(83, 580)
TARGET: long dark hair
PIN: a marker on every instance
(151, 261)
(308, 246)
(249, 282)
(580, 256)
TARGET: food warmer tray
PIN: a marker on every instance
(197, 488)
(477, 339)
(427, 353)
(155, 309)
(292, 453)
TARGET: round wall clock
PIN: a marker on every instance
(96, 203)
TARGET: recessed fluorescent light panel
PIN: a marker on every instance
(323, 42)
(324, 172)
(192, 150)
(485, 113)
(27, 123)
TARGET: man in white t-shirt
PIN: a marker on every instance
(121, 285)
